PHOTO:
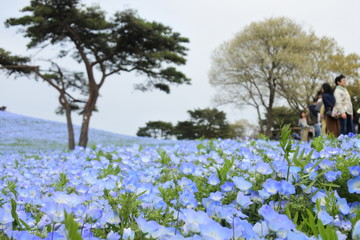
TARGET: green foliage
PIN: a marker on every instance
(207, 123)
(110, 170)
(164, 157)
(61, 182)
(71, 227)
(126, 205)
(317, 228)
(225, 168)
(318, 143)
(156, 129)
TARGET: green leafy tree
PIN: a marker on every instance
(125, 43)
(207, 123)
(156, 129)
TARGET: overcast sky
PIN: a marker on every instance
(207, 23)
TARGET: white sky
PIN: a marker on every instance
(207, 23)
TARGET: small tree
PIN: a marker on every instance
(156, 129)
(243, 128)
(207, 123)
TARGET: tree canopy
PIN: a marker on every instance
(104, 47)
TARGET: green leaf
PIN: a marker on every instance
(72, 228)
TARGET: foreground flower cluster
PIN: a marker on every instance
(220, 189)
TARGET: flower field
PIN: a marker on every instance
(218, 189)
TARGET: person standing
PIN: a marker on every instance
(332, 124)
(343, 106)
(304, 127)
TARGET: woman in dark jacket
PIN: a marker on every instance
(332, 124)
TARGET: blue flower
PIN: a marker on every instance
(214, 231)
(187, 168)
(354, 170)
(193, 219)
(356, 231)
(343, 206)
(286, 188)
(263, 168)
(332, 175)
(213, 180)
(325, 217)
(272, 186)
(275, 221)
(241, 183)
(216, 196)
(187, 198)
(354, 185)
(242, 200)
(227, 187)
(113, 236)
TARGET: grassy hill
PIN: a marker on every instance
(22, 133)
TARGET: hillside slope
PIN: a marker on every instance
(22, 133)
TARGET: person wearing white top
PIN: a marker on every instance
(343, 106)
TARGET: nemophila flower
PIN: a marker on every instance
(261, 229)
(128, 234)
(263, 168)
(272, 186)
(186, 183)
(243, 201)
(310, 167)
(354, 185)
(213, 180)
(5, 216)
(319, 196)
(187, 199)
(227, 186)
(341, 236)
(93, 214)
(325, 217)
(242, 229)
(275, 221)
(23, 235)
(152, 228)
(286, 188)
(332, 175)
(44, 221)
(343, 206)
(346, 145)
(193, 219)
(110, 217)
(296, 235)
(327, 164)
(113, 236)
(214, 231)
(187, 168)
(216, 196)
(263, 194)
(55, 211)
(241, 183)
(354, 170)
(356, 231)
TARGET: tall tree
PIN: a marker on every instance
(249, 68)
(124, 43)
